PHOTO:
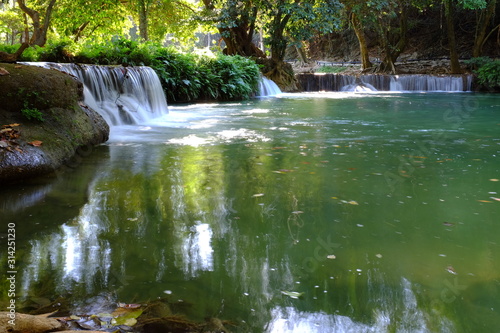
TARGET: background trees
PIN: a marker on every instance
(258, 28)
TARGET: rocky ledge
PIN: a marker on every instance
(43, 121)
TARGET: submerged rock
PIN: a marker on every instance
(54, 123)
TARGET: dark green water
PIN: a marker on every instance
(381, 210)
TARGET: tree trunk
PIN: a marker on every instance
(301, 52)
(40, 29)
(363, 48)
(238, 42)
(482, 26)
(450, 26)
(143, 20)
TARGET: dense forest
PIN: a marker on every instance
(375, 33)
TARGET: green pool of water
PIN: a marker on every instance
(300, 213)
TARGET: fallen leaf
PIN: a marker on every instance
(451, 270)
(35, 143)
(292, 294)
(3, 71)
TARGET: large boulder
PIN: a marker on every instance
(43, 121)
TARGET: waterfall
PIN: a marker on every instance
(407, 82)
(268, 87)
(122, 95)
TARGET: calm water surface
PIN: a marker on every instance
(300, 213)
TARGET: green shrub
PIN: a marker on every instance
(184, 77)
(32, 113)
(489, 75)
(229, 77)
(476, 63)
(487, 70)
(178, 74)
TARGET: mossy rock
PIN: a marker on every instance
(48, 106)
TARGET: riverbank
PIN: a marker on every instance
(44, 122)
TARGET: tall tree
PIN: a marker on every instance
(449, 7)
(236, 22)
(392, 28)
(37, 33)
(156, 18)
(485, 16)
(79, 19)
(358, 15)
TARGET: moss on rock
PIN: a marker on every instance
(49, 107)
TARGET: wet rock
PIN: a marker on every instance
(49, 107)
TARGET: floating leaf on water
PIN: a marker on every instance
(297, 212)
(334, 198)
(448, 224)
(133, 219)
(258, 195)
(125, 321)
(352, 202)
(378, 255)
(331, 256)
(497, 199)
(292, 294)
(129, 306)
(126, 316)
(451, 270)
(485, 201)
(494, 180)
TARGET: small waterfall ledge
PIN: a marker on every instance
(268, 88)
(379, 82)
(122, 95)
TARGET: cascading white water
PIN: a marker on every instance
(430, 83)
(379, 82)
(122, 95)
(268, 87)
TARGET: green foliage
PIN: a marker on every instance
(478, 62)
(32, 113)
(56, 50)
(330, 69)
(229, 77)
(487, 70)
(178, 73)
(190, 77)
(489, 74)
